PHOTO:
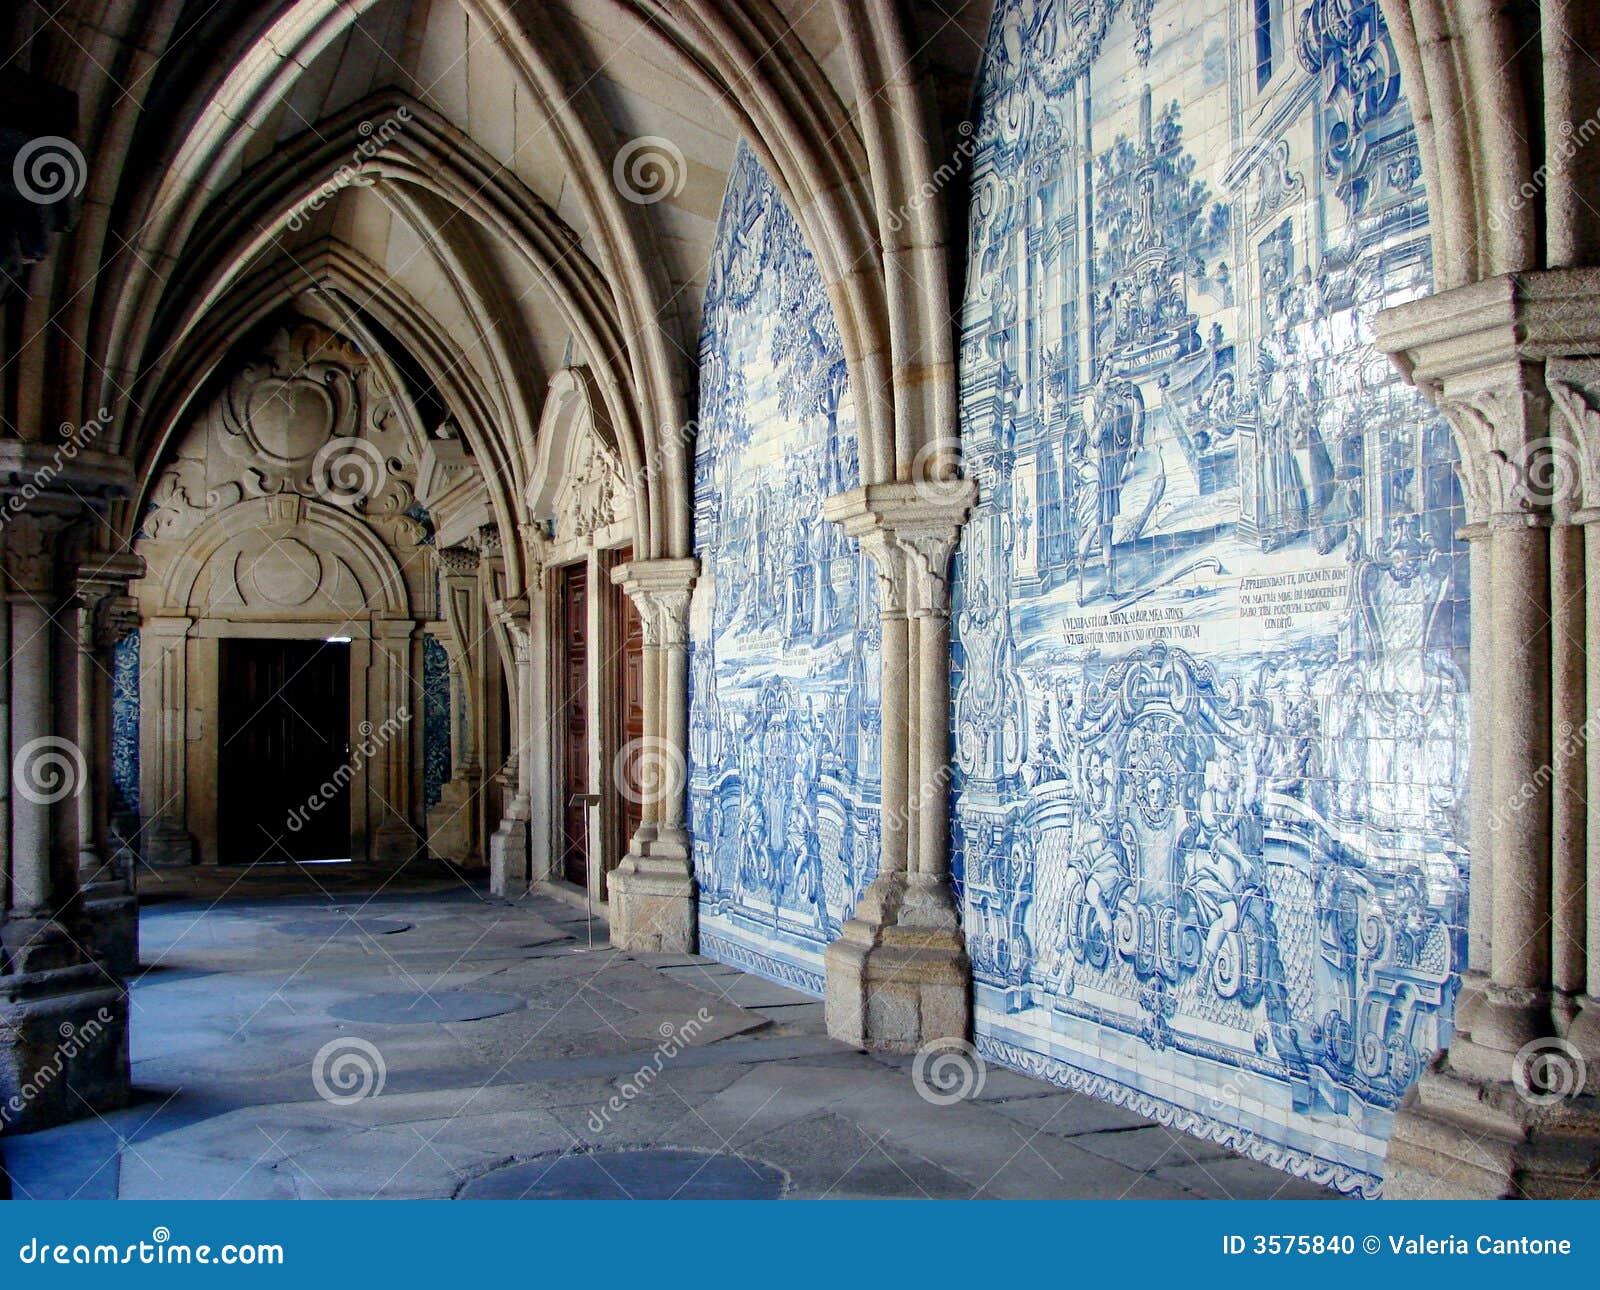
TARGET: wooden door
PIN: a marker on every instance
(629, 689)
(572, 719)
(284, 726)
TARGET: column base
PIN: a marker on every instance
(63, 1047)
(450, 832)
(1457, 1137)
(396, 843)
(1493, 1024)
(652, 900)
(898, 977)
(508, 858)
(1584, 1035)
(111, 913)
(166, 846)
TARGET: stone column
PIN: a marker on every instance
(495, 680)
(453, 824)
(509, 847)
(44, 767)
(387, 745)
(63, 1012)
(1574, 384)
(652, 890)
(898, 976)
(163, 741)
(1504, 1111)
(106, 613)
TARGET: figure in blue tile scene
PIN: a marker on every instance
(1113, 418)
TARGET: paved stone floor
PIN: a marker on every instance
(436, 1042)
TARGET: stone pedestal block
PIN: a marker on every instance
(63, 1047)
(396, 843)
(508, 858)
(652, 899)
(111, 914)
(897, 988)
(450, 831)
(167, 846)
(1460, 1137)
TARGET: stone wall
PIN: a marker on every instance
(1210, 619)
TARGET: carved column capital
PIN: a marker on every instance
(909, 530)
(512, 617)
(30, 543)
(1507, 360)
(1574, 385)
(1508, 461)
(661, 590)
(889, 563)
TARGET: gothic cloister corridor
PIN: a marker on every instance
(800, 598)
(603, 1073)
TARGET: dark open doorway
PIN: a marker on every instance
(284, 764)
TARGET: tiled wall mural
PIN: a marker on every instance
(125, 724)
(783, 625)
(435, 720)
(1209, 698)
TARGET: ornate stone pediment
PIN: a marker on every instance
(578, 482)
(591, 491)
(281, 408)
(278, 558)
(307, 415)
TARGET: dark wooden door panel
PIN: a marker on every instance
(630, 706)
(284, 725)
(572, 719)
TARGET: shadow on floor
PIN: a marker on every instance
(415, 1037)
